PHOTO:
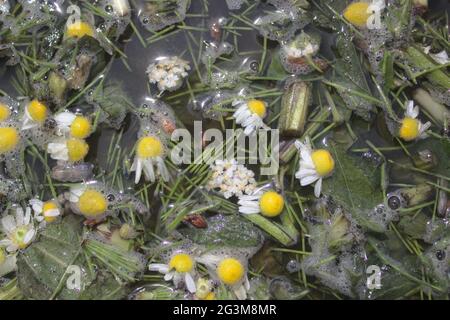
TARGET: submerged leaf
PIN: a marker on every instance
(225, 231)
(356, 190)
(45, 266)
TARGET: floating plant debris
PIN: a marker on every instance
(227, 149)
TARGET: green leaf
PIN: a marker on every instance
(354, 188)
(43, 268)
(225, 231)
(440, 148)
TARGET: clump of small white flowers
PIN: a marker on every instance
(301, 46)
(168, 73)
(231, 178)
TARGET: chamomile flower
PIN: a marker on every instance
(250, 114)
(231, 178)
(19, 230)
(150, 152)
(88, 201)
(180, 268)
(77, 126)
(410, 127)
(45, 212)
(72, 149)
(168, 73)
(314, 166)
(269, 203)
(10, 139)
(359, 12)
(79, 29)
(231, 271)
(5, 112)
(35, 114)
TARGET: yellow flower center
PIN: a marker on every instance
(80, 127)
(77, 149)
(149, 147)
(18, 236)
(323, 162)
(181, 262)
(271, 204)
(37, 110)
(5, 112)
(409, 129)
(9, 138)
(2, 256)
(92, 203)
(230, 271)
(357, 13)
(79, 29)
(258, 107)
(49, 205)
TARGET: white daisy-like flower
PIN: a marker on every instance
(180, 269)
(77, 126)
(150, 152)
(45, 212)
(314, 165)
(8, 262)
(168, 73)
(231, 178)
(250, 115)
(267, 202)
(410, 127)
(19, 230)
(71, 149)
(231, 271)
(88, 201)
(440, 57)
(35, 114)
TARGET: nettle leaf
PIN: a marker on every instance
(349, 73)
(45, 266)
(354, 187)
(225, 231)
(440, 149)
(276, 69)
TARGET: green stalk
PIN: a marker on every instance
(420, 60)
(271, 228)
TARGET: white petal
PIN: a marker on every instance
(248, 210)
(29, 236)
(52, 213)
(318, 188)
(162, 169)
(159, 267)
(137, 166)
(190, 284)
(19, 217)
(148, 170)
(37, 205)
(8, 223)
(308, 180)
(169, 276)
